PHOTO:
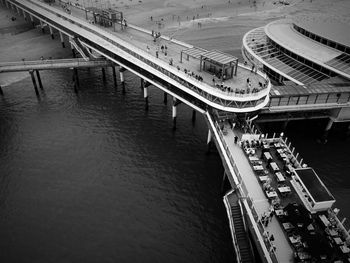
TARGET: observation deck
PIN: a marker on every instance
(135, 49)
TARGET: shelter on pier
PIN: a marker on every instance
(223, 65)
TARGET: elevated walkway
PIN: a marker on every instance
(52, 64)
(136, 51)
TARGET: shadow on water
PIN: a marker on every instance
(92, 177)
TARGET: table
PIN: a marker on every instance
(267, 156)
(271, 194)
(295, 240)
(253, 159)
(287, 226)
(280, 177)
(258, 168)
(284, 189)
(324, 220)
(263, 178)
(274, 166)
(338, 240)
(279, 212)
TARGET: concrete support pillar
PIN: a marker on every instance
(103, 74)
(1, 92)
(32, 19)
(114, 76)
(73, 51)
(193, 116)
(39, 79)
(31, 72)
(285, 124)
(209, 140)
(327, 129)
(7, 4)
(174, 113)
(121, 74)
(17, 9)
(51, 32)
(145, 95)
(165, 98)
(142, 84)
(223, 182)
(62, 39)
(42, 27)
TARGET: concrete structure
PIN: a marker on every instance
(308, 60)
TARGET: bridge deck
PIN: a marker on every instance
(52, 64)
(284, 252)
(142, 39)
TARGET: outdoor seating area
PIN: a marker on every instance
(313, 237)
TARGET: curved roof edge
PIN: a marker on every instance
(284, 45)
(262, 61)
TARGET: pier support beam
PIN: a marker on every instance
(114, 76)
(31, 72)
(145, 95)
(121, 74)
(285, 124)
(32, 19)
(165, 98)
(327, 130)
(174, 113)
(39, 79)
(209, 140)
(76, 80)
(42, 26)
(51, 32)
(62, 39)
(103, 74)
(142, 84)
(1, 92)
(73, 51)
(193, 116)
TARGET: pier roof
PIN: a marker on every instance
(331, 28)
(219, 57)
(314, 185)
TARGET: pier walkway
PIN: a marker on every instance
(49, 64)
(128, 48)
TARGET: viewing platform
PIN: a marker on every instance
(235, 88)
(287, 207)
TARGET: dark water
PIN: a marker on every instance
(94, 178)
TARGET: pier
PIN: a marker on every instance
(216, 85)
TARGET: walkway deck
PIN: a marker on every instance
(49, 64)
(284, 252)
(142, 39)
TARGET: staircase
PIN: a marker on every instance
(79, 47)
(243, 242)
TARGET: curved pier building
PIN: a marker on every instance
(302, 50)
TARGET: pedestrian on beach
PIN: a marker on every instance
(162, 48)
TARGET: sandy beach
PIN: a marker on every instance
(218, 24)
